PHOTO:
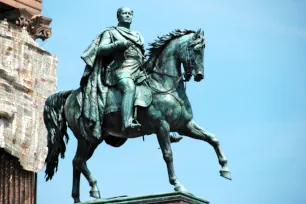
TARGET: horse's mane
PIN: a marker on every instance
(158, 45)
(162, 41)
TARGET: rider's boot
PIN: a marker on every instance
(127, 110)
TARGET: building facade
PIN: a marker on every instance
(27, 78)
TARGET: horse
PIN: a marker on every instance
(169, 111)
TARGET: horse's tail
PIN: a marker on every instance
(55, 122)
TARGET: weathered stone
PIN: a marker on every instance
(34, 6)
(27, 78)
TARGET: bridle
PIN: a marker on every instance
(185, 76)
(190, 63)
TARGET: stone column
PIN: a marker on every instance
(17, 184)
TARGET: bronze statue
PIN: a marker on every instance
(117, 78)
(126, 49)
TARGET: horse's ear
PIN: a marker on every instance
(198, 32)
(202, 33)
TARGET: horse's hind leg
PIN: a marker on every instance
(165, 145)
(76, 185)
(194, 131)
(84, 152)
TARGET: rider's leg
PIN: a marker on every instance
(128, 89)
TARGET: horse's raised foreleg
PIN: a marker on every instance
(194, 131)
(84, 152)
(165, 145)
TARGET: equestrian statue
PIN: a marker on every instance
(124, 95)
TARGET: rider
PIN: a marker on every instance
(126, 50)
(121, 52)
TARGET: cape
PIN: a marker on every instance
(93, 92)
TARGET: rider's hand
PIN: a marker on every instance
(123, 44)
(127, 43)
(120, 45)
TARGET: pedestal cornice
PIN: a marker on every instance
(163, 198)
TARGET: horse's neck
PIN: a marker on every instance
(167, 69)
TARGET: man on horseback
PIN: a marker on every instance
(113, 65)
(122, 51)
(115, 58)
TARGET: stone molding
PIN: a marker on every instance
(34, 6)
(36, 25)
(163, 198)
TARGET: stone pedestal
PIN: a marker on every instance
(165, 198)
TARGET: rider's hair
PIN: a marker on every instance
(120, 10)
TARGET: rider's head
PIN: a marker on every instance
(125, 15)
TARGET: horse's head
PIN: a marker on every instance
(191, 54)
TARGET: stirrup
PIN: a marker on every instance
(133, 124)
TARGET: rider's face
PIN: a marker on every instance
(125, 16)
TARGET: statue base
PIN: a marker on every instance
(164, 198)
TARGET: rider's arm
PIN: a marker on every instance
(107, 47)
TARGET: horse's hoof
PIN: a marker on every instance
(180, 188)
(95, 194)
(174, 139)
(77, 200)
(225, 172)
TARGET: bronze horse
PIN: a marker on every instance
(170, 111)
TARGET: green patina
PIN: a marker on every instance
(123, 95)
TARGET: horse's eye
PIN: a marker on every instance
(197, 49)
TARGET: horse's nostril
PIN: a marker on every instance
(198, 77)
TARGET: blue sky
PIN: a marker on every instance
(253, 98)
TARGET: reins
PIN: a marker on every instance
(167, 91)
(189, 63)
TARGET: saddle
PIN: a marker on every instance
(143, 98)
